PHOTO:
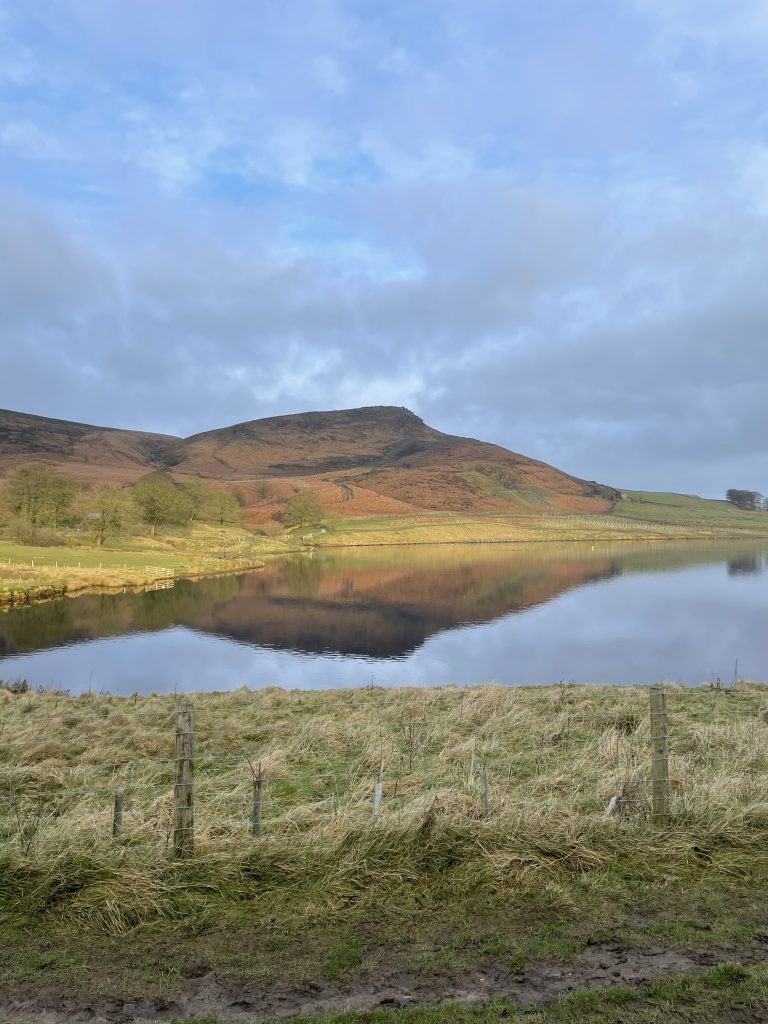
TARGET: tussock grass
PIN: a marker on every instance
(555, 757)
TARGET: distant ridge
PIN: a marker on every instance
(376, 459)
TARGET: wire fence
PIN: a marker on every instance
(169, 774)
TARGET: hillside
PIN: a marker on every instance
(380, 459)
(86, 452)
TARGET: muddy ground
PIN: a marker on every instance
(599, 965)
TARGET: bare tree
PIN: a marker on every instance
(302, 509)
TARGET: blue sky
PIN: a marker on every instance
(539, 224)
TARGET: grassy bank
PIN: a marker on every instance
(630, 520)
(200, 550)
(324, 893)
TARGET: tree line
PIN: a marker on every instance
(37, 497)
(750, 501)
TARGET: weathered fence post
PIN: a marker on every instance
(659, 756)
(378, 791)
(117, 815)
(484, 791)
(183, 794)
(257, 782)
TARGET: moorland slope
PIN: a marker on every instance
(376, 460)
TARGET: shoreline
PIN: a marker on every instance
(89, 581)
(725, 536)
(20, 598)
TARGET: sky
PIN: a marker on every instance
(543, 225)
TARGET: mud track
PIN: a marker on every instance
(598, 966)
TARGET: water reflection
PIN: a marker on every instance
(397, 604)
(746, 565)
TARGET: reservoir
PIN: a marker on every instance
(531, 613)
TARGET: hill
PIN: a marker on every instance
(86, 452)
(379, 459)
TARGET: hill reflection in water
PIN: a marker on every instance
(382, 604)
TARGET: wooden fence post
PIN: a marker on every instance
(659, 756)
(378, 791)
(257, 782)
(484, 791)
(183, 794)
(117, 815)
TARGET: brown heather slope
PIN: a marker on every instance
(377, 460)
(88, 453)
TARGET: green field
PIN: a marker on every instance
(641, 515)
(492, 528)
(689, 510)
(200, 549)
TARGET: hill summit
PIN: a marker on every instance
(377, 459)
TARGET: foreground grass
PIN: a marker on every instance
(199, 550)
(554, 757)
(433, 885)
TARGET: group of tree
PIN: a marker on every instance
(751, 501)
(162, 502)
(40, 496)
(37, 497)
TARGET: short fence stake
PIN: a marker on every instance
(484, 791)
(378, 791)
(117, 815)
(659, 756)
(257, 804)
(183, 794)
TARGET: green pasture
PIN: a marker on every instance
(689, 510)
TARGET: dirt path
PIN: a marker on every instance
(598, 966)
(347, 494)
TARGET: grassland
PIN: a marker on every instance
(631, 519)
(434, 888)
(687, 510)
(199, 550)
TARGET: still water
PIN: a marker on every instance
(513, 614)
